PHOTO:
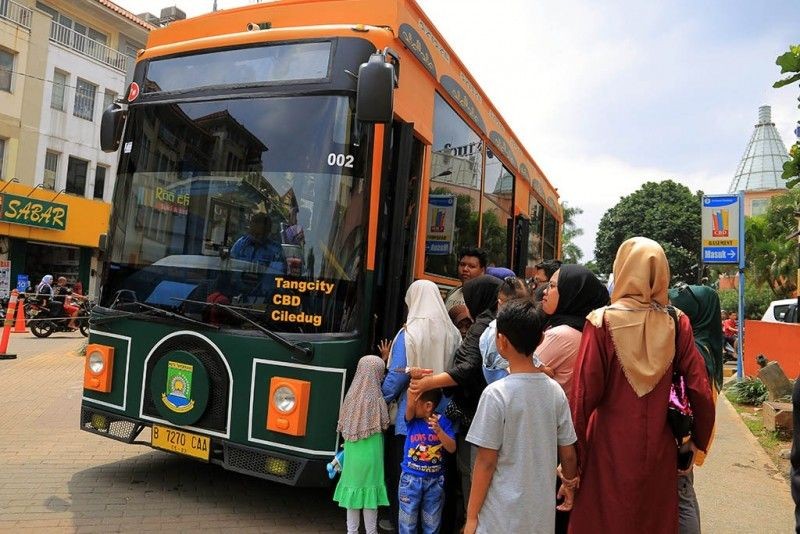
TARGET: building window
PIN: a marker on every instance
(6, 70)
(99, 181)
(2, 156)
(108, 99)
(455, 190)
(758, 206)
(50, 169)
(59, 90)
(76, 176)
(84, 99)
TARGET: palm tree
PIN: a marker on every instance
(570, 252)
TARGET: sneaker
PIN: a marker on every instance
(386, 525)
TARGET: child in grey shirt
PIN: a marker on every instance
(522, 428)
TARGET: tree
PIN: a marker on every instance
(666, 212)
(771, 256)
(789, 62)
(570, 251)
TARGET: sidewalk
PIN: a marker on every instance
(739, 488)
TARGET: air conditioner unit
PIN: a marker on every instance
(149, 18)
(168, 14)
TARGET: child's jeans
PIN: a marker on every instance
(420, 494)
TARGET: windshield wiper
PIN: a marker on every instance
(302, 351)
(149, 311)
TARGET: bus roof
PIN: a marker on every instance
(407, 22)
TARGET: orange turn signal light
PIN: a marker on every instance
(287, 406)
(98, 368)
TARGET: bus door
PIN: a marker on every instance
(397, 227)
(519, 239)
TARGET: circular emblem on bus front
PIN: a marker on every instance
(133, 92)
(179, 386)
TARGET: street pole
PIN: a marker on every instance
(740, 322)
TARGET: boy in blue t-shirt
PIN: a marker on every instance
(422, 480)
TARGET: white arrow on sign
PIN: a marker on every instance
(731, 254)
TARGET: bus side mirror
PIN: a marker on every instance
(377, 79)
(111, 127)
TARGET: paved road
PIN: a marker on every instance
(57, 478)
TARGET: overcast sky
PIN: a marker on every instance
(606, 97)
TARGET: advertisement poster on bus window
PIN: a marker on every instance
(441, 225)
(5, 278)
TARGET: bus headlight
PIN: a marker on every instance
(96, 362)
(284, 399)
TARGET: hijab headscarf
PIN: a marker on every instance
(641, 329)
(579, 292)
(500, 272)
(364, 412)
(47, 281)
(480, 294)
(431, 337)
(701, 304)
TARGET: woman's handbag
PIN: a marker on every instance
(679, 411)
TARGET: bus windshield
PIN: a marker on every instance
(253, 203)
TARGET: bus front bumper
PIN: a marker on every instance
(261, 463)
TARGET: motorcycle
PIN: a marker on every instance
(729, 352)
(48, 318)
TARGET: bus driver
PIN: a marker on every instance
(257, 247)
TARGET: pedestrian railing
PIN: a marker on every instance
(16, 13)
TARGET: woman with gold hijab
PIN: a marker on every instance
(627, 454)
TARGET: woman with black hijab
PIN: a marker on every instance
(465, 376)
(572, 292)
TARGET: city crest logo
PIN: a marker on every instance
(178, 394)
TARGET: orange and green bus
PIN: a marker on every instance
(285, 171)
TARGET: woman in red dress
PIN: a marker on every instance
(627, 454)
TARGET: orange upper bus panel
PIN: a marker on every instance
(425, 57)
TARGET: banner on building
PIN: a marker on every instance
(32, 212)
(5, 278)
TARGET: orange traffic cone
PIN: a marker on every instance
(19, 325)
(12, 305)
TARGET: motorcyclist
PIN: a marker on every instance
(64, 295)
(730, 328)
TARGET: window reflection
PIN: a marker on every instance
(535, 237)
(550, 238)
(245, 202)
(455, 193)
(498, 200)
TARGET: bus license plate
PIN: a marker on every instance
(181, 442)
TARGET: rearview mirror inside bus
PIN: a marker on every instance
(111, 127)
(375, 97)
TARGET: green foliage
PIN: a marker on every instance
(666, 212)
(789, 62)
(756, 300)
(592, 266)
(770, 256)
(570, 252)
(748, 391)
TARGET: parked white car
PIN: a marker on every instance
(777, 310)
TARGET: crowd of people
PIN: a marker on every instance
(535, 406)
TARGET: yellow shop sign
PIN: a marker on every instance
(32, 212)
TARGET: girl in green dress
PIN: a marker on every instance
(363, 418)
